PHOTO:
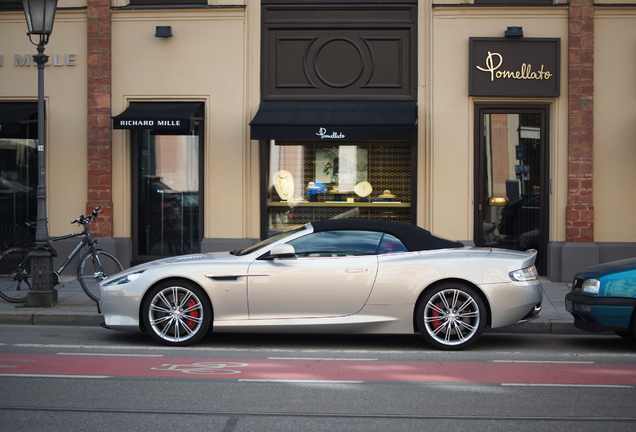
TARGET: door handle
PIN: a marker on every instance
(498, 201)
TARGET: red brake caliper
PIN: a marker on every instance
(194, 313)
(436, 314)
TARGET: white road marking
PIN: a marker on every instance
(566, 385)
(18, 360)
(301, 381)
(52, 376)
(321, 358)
(543, 362)
(111, 355)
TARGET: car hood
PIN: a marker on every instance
(601, 270)
(183, 259)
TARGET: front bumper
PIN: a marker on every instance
(596, 314)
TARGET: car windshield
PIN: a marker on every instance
(267, 242)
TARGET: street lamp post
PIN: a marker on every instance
(39, 17)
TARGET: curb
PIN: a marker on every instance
(77, 319)
(51, 319)
(559, 327)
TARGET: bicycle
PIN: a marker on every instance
(94, 266)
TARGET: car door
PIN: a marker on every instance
(331, 275)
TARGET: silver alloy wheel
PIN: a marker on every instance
(176, 314)
(452, 317)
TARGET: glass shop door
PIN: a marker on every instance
(167, 194)
(512, 184)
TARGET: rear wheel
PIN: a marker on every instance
(94, 268)
(177, 313)
(15, 274)
(451, 316)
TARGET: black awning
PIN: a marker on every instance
(13, 116)
(370, 121)
(172, 116)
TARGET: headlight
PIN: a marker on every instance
(591, 286)
(523, 275)
(125, 279)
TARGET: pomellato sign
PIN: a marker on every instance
(514, 67)
(322, 133)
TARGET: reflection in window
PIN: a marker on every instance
(18, 181)
(168, 194)
(514, 2)
(168, 2)
(18, 170)
(390, 244)
(330, 243)
(513, 160)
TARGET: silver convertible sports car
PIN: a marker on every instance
(332, 276)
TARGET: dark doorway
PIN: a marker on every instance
(512, 179)
(167, 191)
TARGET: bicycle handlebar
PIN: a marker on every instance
(86, 219)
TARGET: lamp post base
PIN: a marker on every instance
(42, 293)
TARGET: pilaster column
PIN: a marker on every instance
(580, 209)
(99, 111)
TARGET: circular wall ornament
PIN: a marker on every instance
(332, 57)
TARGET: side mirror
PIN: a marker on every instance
(283, 251)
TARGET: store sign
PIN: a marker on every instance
(54, 60)
(146, 124)
(514, 67)
(322, 133)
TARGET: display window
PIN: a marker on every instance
(314, 180)
(18, 170)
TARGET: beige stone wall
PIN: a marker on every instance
(614, 124)
(214, 58)
(446, 137)
(65, 92)
(209, 59)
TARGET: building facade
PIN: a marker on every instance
(208, 125)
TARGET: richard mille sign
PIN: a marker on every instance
(54, 60)
(514, 67)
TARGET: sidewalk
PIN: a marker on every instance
(75, 308)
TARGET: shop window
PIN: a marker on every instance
(514, 2)
(11, 5)
(167, 2)
(18, 169)
(313, 180)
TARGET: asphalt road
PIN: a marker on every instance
(87, 378)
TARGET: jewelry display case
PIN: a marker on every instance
(314, 180)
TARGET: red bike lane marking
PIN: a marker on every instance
(338, 370)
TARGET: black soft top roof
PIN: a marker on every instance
(412, 236)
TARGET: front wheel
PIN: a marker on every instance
(177, 313)
(15, 274)
(94, 268)
(451, 316)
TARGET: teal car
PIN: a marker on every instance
(603, 297)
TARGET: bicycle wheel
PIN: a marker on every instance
(94, 268)
(15, 274)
